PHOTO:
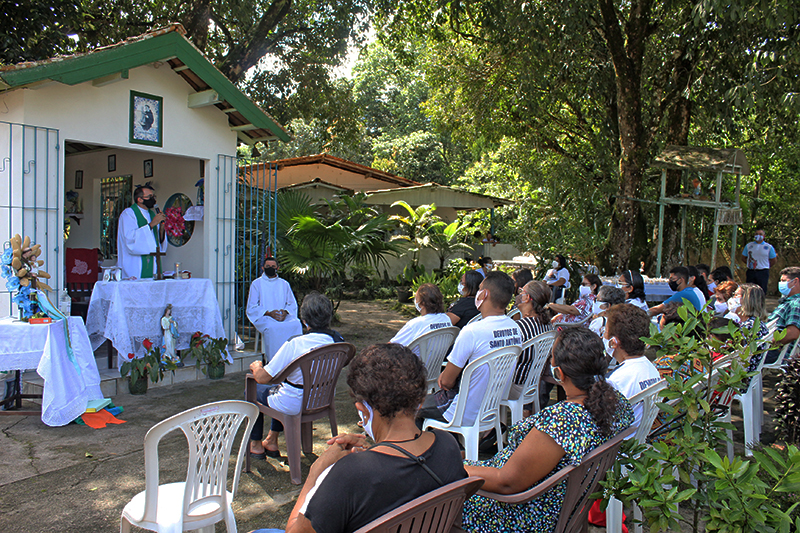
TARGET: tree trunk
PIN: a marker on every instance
(196, 22)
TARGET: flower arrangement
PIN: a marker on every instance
(149, 365)
(208, 350)
(19, 265)
(174, 224)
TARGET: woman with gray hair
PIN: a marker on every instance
(316, 313)
(607, 296)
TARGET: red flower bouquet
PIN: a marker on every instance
(174, 223)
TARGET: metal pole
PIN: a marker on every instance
(661, 221)
(717, 194)
(735, 228)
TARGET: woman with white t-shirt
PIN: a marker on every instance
(316, 312)
(632, 283)
(558, 277)
(430, 303)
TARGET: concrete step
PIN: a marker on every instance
(112, 384)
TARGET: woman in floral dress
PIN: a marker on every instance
(542, 444)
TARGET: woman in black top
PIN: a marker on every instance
(464, 309)
(346, 490)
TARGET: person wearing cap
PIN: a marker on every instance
(759, 256)
(139, 234)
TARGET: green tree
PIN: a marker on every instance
(447, 240)
(414, 226)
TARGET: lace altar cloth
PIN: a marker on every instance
(128, 312)
(43, 347)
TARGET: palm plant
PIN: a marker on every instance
(445, 240)
(415, 227)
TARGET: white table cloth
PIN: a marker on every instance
(654, 290)
(128, 312)
(67, 389)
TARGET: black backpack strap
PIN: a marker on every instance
(419, 460)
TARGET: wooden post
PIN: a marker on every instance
(158, 254)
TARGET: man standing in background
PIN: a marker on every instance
(759, 256)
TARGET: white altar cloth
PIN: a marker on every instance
(128, 312)
(43, 347)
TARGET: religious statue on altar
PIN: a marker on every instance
(169, 339)
(272, 308)
(140, 233)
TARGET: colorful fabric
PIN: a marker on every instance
(755, 358)
(758, 255)
(573, 428)
(584, 307)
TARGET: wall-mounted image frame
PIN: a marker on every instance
(146, 119)
(112, 163)
(148, 168)
(79, 179)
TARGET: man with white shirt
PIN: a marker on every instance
(272, 308)
(139, 235)
(759, 256)
(430, 303)
(626, 324)
(493, 331)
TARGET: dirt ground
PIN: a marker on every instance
(76, 479)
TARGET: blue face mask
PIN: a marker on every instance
(783, 288)
(368, 424)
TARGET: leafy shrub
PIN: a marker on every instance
(787, 401)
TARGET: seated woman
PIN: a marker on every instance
(722, 293)
(607, 297)
(346, 490)
(633, 284)
(582, 307)
(751, 306)
(485, 266)
(464, 309)
(430, 303)
(557, 436)
(316, 313)
(558, 277)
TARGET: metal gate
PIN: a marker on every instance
(244, 201)
(32, 196)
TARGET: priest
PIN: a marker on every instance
(272, 308)
(139, 234)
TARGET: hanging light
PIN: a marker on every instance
(255, 152)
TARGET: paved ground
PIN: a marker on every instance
(76, 479)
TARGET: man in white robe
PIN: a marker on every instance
(272, 309)
(138, 235)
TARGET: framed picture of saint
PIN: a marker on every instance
(146, 119)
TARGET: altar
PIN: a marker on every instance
(68, 384)
(128, 312)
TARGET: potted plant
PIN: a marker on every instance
(142, 368)
(209, 352)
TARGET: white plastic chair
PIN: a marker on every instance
(432, 348)
(499, 365)
(514, 313)
(649, 400)
(474, 319)
(789, 350)
(540, 346)
(203, 499)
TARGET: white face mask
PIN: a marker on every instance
(418, 306)
(734, 304)
(758, 238)
(721, 307)
(368, 424)
(480, 298)
(460, 288)
(555, 264)
(607, 344)
(584, 291)
(596, 309)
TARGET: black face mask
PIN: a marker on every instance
(149, 203)
(673, 285)
(271, 272)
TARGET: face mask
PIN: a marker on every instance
(520, 300)
(596, 309)
(271, 272)
(733, 304)
(553, 373)
(673, 285)
(368, 424)
(460, 288)
(721, 307)
(758, 238)
(783, 288)
(584, 291)
(555, 264)
(489, 266)
(149, 203)
(609, 349)
(480, 298)
(418, 306)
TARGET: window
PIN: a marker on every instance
(115, 195)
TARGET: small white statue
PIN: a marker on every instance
(169, 340)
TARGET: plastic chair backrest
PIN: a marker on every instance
(514, 312)
(649, 400)
(435, 512)
(540, 346)
(582, 480)
(475, 319)
(788, 351)
(500, 364)
(210, 430)
(432, 348)
(320, 368)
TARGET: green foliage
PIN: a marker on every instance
(414, 226)
(409, 274)
(447, 239)
(787, 402)
(685, 467)
(149, 365)
(208, 351)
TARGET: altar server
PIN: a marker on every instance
(272, 308)
(138, 235)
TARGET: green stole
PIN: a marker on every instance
(147, 260)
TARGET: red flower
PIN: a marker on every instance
(130, 356)
(147, 344)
